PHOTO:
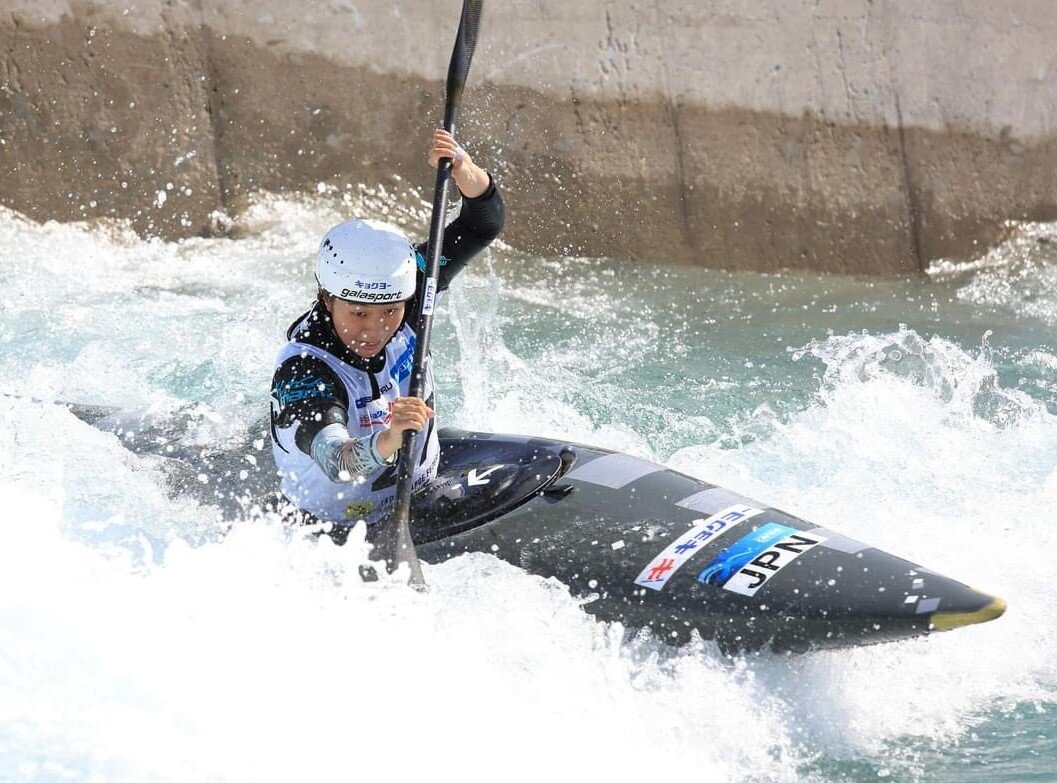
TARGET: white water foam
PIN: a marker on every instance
(502, 392)
(262, 656)
(1018, 274)
(138, 641)
(913, 447)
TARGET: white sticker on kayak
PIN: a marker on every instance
(754, 574)
(661, 568)
(429, 297)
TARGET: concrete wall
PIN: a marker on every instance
(833, 135)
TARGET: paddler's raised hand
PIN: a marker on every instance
(471, 178)
(407, 413)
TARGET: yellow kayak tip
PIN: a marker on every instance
(945, 621)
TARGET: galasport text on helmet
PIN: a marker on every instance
(366, 261)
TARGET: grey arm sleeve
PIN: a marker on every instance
(345, 459)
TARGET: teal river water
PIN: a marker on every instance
(142, 640)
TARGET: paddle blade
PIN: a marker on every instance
(461, 56)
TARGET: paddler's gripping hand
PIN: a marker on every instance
(471, 178)
(408, 413)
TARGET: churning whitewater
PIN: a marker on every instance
(150, 636)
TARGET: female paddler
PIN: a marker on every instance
(339, 393)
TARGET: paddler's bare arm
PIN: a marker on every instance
(343, 458)
(348, 459)
(471, 179)
(480, 219)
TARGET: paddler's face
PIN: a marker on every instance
(365, 329)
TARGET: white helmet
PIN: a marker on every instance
(366, 261)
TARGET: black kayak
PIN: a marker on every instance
(647, 546)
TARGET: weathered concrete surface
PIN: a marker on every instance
(839, 135)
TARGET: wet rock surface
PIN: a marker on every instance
(173, 116)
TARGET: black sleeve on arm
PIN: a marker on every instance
(479, 222)
(306, 390)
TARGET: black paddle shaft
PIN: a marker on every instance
(395, 542)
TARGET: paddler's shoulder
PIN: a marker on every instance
(303, 376)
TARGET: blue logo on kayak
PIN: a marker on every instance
(741, 552)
